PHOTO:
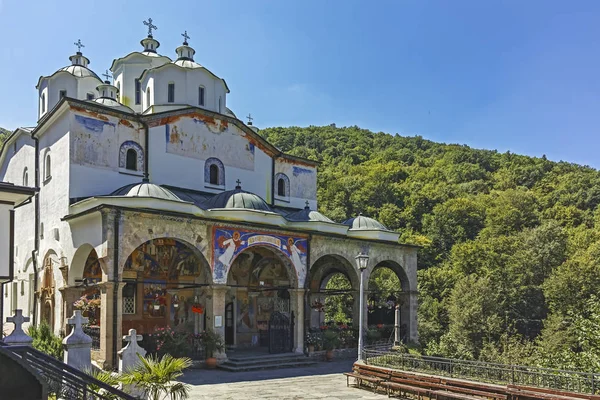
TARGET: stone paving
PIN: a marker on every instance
(322, 381)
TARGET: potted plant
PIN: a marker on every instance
(331, 340)
(212, 342)
(311, 341)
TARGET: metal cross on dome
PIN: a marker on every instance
(185, 37)
(107, 75)
(79, 45)
(150, 26)
(250, 119)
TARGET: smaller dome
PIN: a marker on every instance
(79, 71)
(187, 63)
(112, 103)
(306, 214)
(362, 223)
(146, 189)
(237, 198)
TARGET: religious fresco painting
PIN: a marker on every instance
(228, 243)
(163, 259)
(155, 299)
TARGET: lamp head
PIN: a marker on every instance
(362, 261)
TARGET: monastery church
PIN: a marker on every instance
(157, 203)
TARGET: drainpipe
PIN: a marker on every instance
(273, 181)
(116, 286)
(36, 248)
(146, 151)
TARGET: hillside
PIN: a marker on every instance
(511, 244)
(3, 135)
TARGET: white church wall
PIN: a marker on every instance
(85, 86)
(96, 144)
(302, 184)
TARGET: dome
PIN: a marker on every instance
(362, 223)
(237, 198)
(112, 103)
(187, 63)
(306, 214)
(146, 189)
(79, 71)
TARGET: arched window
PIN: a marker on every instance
(171, 93)
(283, 185)
(214, 172)
(220, 103)
(131, 160)
(48, 167)
(43, 103)
(147, 97)
(25, 177)
(201, 96)
(131, 156)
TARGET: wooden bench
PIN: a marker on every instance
(453, 395)
(367, 373)
(547, 393)
(444, 386)
(402, 388)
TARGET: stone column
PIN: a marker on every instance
(18, 337)
(397, 338)
(106, 324)
(217, 315)
(410, 317)
(297, 306)
(78, 345)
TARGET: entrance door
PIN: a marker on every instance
(229, 326)
(279, 333)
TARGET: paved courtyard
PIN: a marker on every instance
(322, 381)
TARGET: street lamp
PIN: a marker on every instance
(362, 261)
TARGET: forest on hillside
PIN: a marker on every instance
(509, 267)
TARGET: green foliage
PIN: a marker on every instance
(157, 377)
(46, 341)
(212, 342)
(4, 133)
(331, 339)
(510, 243)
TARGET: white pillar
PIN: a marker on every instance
(361, 317)
(397, 338)
(297, 306)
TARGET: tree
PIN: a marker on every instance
(157, 377)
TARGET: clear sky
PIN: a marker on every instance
(521, 75)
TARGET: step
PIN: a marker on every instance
(275, 365)
(266, 357)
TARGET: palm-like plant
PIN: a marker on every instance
(156, 377)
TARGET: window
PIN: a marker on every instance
(129, 298)
(214, 172)
(103, 92)
(201, 96)
(118, 90)
(43, 101)
(25, 178)
(90, 96)
(62, 93)
(131, 161)
(13, 297)
(48, 165)
(147, 97)
(283, 185)
(171, 94)
(219, 103)
(138, 92)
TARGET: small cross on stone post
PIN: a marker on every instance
(18, 337)
(78, 345)
(128, 355)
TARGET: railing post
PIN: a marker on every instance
(451, 369)
(593, 386)
(512, 378)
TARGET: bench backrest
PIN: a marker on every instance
(555, 392)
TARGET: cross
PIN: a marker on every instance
(107, 75)
(132, 335)
(77, 320)
(150, 26)
(239, 183)
(18, 320)
(79, 45)
(307, 206)
(185, 37)
(249, 119)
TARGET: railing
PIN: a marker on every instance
(63, 380)
(575, 381)
(94, 333)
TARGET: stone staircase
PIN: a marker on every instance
(252, 362)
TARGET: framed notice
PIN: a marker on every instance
(218, 321)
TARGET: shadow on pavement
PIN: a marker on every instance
(216, 376)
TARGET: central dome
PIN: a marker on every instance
(237, 198)
(146, 189)
(307, 215)
(362, 223)
(79, 71)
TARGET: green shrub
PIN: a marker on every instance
(46, 341)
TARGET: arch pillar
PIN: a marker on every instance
(108, 319)
(297, 307)
(217, 315)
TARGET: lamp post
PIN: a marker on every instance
(362, 261)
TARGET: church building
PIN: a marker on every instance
(158, 207)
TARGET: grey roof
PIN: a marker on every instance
(362, 223)
(145, 189)
(187, 63)
(106, 101)
(237, 198)
(79, 71)
(306, 214)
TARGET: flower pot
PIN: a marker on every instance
(211, 363)
(156, 306)
(311, 348)
(329, 355)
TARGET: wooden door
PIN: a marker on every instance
(229, 324)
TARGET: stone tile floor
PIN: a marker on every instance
(322, 381)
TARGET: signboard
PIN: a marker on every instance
(229, 242)
(6, 242)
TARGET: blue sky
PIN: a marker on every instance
(514, 75)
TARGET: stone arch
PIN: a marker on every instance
(275, 253)
(327, 265)
(214, 172)
(396, 268)
(126, 150)
(78, 264)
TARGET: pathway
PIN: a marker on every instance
(322, 381)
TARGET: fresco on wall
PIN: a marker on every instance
(303, 180)
(228, 243)
(163, 259)
(206, 138)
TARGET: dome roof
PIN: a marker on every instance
(237, 198)
(108, 102)
(362, 223)
(187, 63)
(79, 71)
(306, 214)
(146, 189)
